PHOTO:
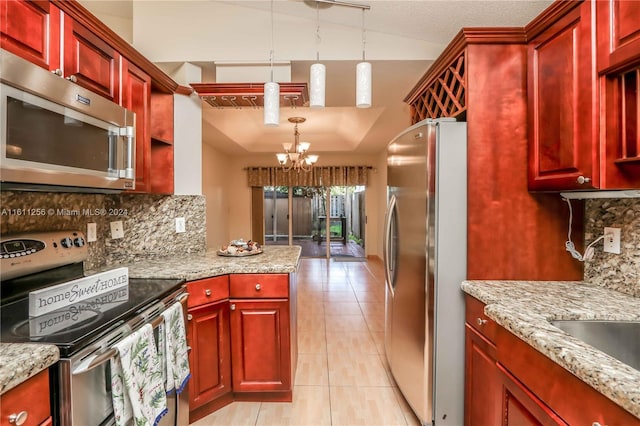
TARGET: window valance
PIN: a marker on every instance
(318, 176)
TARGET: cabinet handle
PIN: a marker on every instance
(481, 321)
(18, 419)
(57, 72)
(207, 292)
(72, 78)
(232, 307)
(581, 180)
(258, 287)
(189, 317)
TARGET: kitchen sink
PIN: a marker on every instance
(620, 339)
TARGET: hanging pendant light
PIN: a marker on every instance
(271, 91)
(318, 72)
(363, 76)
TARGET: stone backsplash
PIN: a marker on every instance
(148, 222)
(619, 272)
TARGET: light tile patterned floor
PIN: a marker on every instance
(342, 377)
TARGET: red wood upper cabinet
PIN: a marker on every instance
(31, 30)
(562, 104)
(136, 96)
(90, 62)
(618, 33)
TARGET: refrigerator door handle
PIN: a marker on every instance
(387, 241)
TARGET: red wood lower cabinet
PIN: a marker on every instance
(482, 385)
(522, 408)
(210, 356)
(261, 359)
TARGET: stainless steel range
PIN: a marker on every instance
(85, 331)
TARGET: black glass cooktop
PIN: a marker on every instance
(73, 327)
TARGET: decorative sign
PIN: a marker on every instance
(79, 313)
(59, 296)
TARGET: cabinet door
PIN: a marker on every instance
(482, 385)
(561, 83)
(260, 345)
(31, 30)
(31, 398)
(520, 407)
(618, 33)
(90, 62)
(136, 96)
(210, 356)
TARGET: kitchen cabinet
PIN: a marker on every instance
(31, 30)
(90, 62)
(29, 401)
(162, 177)
(618, 33)
(242, 333)
(209, 339)
(508, 382)
(263, 358)
(482, 385)
(562, 93)
(521, 407)
(136, 96)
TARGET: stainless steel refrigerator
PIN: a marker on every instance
(425, 257)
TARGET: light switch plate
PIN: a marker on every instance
(117, 230)
(92, 234)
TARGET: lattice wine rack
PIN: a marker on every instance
(445, 94)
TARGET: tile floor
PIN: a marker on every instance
(342, 377)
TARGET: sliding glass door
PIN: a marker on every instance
(325, 222)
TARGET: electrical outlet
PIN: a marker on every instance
(612, 240)
(180, 224)
(92, 234)
(117, 230)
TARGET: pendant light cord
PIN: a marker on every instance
(364, 38)
(271, 52)
(317, 32)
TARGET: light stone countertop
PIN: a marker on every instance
(526, 307)
(273, 259)
(21, 361)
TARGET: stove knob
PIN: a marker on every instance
(66, 242)
(78, 242)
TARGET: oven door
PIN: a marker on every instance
(84, 388)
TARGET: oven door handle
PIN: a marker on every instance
(100, 358)
(94, 361)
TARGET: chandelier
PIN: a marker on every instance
(295, 157)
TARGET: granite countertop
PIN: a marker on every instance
(273, 259)
(21, 361)
(526, 307)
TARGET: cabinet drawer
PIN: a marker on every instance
(32, 397)
(207, 290)
(478, 320)
(259, 285)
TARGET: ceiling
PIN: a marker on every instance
(340, 128)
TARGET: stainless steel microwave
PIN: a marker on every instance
(56, 134)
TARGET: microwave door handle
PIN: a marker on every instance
(113, 155)
(131, 146)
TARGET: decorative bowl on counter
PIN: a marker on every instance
(239, 248)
